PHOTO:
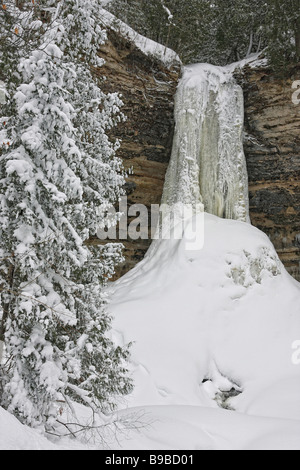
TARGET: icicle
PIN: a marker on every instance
(208, 166)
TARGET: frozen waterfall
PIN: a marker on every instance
(208, 168)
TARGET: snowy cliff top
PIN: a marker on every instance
(167, 56)
(257, 60)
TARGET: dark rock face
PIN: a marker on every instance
(272, 147)
(147, 87)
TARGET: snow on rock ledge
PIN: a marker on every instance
(151, 48)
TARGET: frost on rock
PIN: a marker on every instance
(208, 166)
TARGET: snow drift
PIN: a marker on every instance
(214, 328)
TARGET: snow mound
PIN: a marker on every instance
(199, 428)
(15, 436)
(163, 54)
(214, 329)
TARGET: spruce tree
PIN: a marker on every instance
(59, 175)
(173, 23)
(283, 31)
(237, 30)
(212, 31)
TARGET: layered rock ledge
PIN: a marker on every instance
(272, 148)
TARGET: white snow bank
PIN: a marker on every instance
(197, 428)
(151, 48)
(15, 436)
(228, 314)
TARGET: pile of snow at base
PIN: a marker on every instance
(226, 316)
(214, 328)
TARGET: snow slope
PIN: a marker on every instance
(200, 428)
(226, 315)
(15, 436)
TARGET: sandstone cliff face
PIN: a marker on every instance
(272, 147)
(148, 87)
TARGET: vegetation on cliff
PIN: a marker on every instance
(218, 32)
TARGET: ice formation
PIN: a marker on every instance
(208, 167)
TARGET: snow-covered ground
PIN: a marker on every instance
(228, 316)
(204, 323)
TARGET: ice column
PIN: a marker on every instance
(208, 168)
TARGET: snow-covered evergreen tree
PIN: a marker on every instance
(237, 30)
(283, 31)
(59, 175)
(218, 31)
(211, 31)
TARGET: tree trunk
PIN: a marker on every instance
(3, 329)
(250, 45)
(1, 351)
(297, 38)
(6, 312)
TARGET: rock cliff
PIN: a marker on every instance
(272, 147)
(147, 86)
